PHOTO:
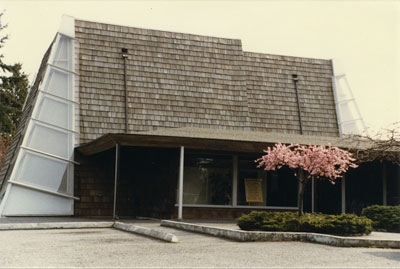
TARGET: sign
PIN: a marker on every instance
(253, 190)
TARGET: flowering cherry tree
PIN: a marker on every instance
(308, 161)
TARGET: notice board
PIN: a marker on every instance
(253, 188)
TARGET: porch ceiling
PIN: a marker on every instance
(209, 139)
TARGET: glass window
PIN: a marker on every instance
(278, 188)
(42, 171)
(50, 140)
(207, 179)
(63, 56)
(282, 188)
(247, 172)
(58, 83)
(53, 111)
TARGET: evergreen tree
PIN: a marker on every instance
(13, 91)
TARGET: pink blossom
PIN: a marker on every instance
(318, 161)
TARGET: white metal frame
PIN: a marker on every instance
(29, 186)
(31, 202)
(349, 101)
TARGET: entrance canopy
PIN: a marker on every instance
(211, 139)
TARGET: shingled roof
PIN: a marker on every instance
(185, 81)
(180, 80)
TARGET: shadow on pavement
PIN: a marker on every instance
(390, 255)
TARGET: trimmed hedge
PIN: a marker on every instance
(344, 224)
(384, 218)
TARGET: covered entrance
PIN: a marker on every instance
(149, 171)
(199, 176)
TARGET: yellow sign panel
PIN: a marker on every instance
(253, 190)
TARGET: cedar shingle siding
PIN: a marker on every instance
(183, 80)
(272, 95)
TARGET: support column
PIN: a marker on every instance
(313, 194)
(116, 175)
(384, 184)
(235, 180)
(343, 194)
(180, 196)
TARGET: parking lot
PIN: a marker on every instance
(109, 247)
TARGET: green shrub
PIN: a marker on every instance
(344, 224)
(384, 218)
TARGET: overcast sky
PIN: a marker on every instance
(363, 36)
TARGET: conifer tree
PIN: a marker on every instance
(13, 91)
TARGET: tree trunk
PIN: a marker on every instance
(302, 187)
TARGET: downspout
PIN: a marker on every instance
(295, 80)
(125, 57)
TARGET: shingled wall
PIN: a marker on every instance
(174, 80)
(272, 94)
(183, 80)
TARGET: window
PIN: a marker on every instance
(282, 188)
(279, 187)
(208, 179)
(247, 169)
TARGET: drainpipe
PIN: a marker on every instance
(125, 57)
(295, 80)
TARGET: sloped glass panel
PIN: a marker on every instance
(59, 83)
(63, 188)
(352, 128)
(67, 182)
(63, 55)
(54, 111)
(49, 140)
(23, 201)
(345, 112)
(342, 93)
(38, 170)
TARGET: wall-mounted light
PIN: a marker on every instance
(124, 53)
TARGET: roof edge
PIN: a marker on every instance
(216, 39)
(67, 26)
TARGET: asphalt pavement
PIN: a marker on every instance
(107, 248)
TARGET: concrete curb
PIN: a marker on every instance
(54, 225)
(249, 236)
(146, 231)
